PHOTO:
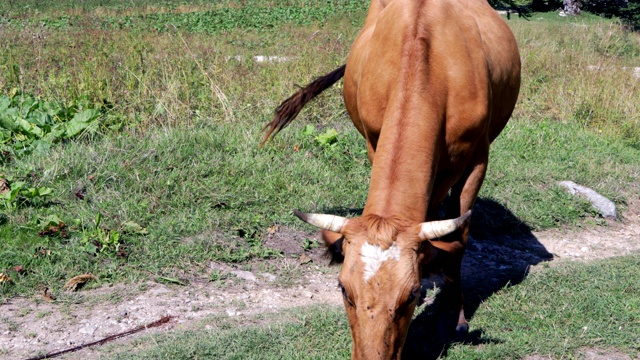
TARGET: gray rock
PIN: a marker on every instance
(88, 330)
(604, 206)
(268, 276)
(246, 275)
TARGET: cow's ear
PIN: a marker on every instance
(333, 241)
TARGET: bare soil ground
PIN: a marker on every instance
(30, 326)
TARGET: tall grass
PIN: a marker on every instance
(573, 71)
(42, 8)
(580, 72)
(166, 79)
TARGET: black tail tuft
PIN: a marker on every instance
(289, 109)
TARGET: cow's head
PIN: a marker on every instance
(381, 273)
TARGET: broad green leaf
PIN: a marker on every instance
(5, 135)
(29, 193)
(5, 102)
(56, 133)
(81, 121)
(51, 220)
(90, 248)
(28, 128)
(133, 228)
(44, 191)
(52, 108)
(329, 137)
(17, 185)
(28, 105)
(309, 130)
(86, 116)
(7, 122)
(74, 128)
(39, 119)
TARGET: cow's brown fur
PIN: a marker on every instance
(429, 84)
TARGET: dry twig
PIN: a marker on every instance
(162, 321)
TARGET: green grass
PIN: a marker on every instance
(556, 312)
(169, 176)
(42, 9)
(201, 196)
(183, 161)
(192, 17)
(309, 333)
(530, 158)
(211, 193)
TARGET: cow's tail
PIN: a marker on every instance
(289, 109)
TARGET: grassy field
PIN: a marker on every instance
(129, 134)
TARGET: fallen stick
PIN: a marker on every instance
(162, 321)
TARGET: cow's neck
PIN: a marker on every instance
(404, 166)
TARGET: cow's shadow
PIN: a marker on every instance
(500, 250)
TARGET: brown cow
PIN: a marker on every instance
(429, 84)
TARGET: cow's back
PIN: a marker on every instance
(457, 58)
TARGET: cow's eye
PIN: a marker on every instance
(415, 293)
(344, 294)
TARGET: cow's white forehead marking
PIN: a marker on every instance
(374, 256)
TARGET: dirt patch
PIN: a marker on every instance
(602, 354)
(616, 239)
(30, 326)
(589, 354)
(286, 240)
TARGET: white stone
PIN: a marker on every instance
(604, 206)
(246, 275)
(88, 330)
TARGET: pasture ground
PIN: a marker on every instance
(128, 142)
(284, 313)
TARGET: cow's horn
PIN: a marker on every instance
(323, 221)
(435, 229)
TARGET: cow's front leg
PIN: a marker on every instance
(452, 246)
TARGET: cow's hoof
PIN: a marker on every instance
(462, 331)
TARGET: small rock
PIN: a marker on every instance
(268, 276)
(304, 259)
(88, 330)
(246, 275)
(159, 290)
(604, 206)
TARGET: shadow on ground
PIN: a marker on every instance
(500, 251)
